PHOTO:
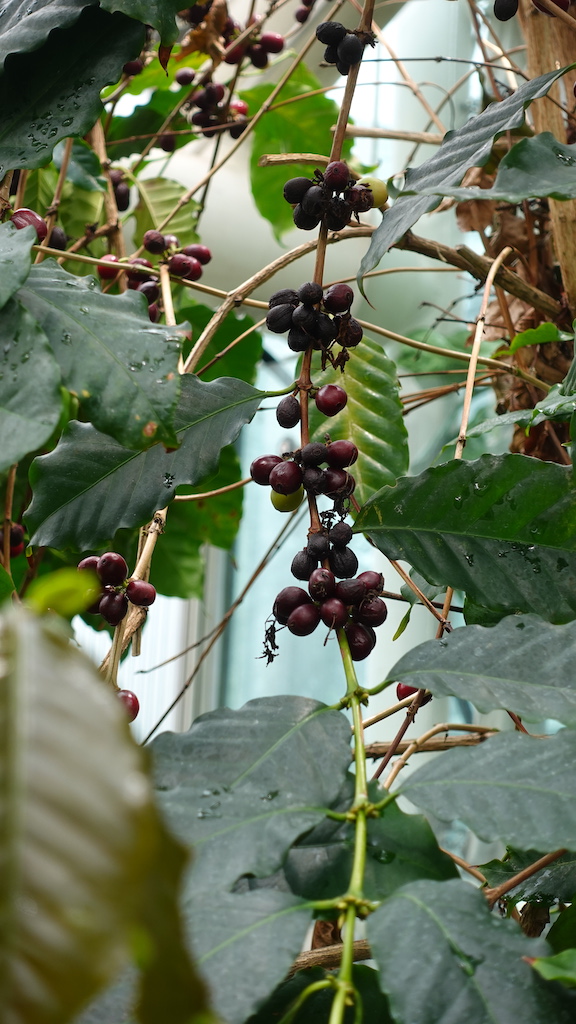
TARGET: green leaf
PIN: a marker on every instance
(20, 32)
(57, 94)
(15, 258)
(401, 848)
(534, 336)
(466, 147)
(427, 589)
(30, 397)
(160, 14)
(39, 190)
(102, 487)
(84, 169)
(157, 198)
(241, 786)
(562, 934)
(534, 168)
(372, 418)
(557, 881)
(241, 361)
(66, 592)
(317, 1007)
(78, 832)
(502, 528)
(500, 788)
(561, 967)
(122, 368)
(288, 129)
(444, 957)
(523, 664)
(146, 119)
(245, 945)
(77, 209)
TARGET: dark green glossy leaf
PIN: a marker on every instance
(245, 945)
(534, 336)
(241, 361)
(561, 967)
(466, 147)
(160, 14)
(317, 1007)
(288, 129)
(30, 397)
(533, 168)
(58, 93)
(443, 957)
(562, 934)
(146, 119)
(557, 881)
(372, 418)
(157, 197)
(25, 28)
(122, 367)
(401, 848)
(501, 528)
(78, 832)
(523, 664)
(103, 487)
(84, 169)
(15, 258)
(241, 786)
(502, 787)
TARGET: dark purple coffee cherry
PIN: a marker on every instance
(167, 142)
(313, 480)
(360, 641)
(279, 318)
(303, 620)
(374, 581)
(23, 218)
(113, 607)
(138, 271)
(351, 592)
(302, 14)
(288, 412)
(333, 613)
(505, 9)
(322, 584)
(337, 214)
(360, 198)
(141, 593)
(133, 67)
(343, 563)
(303, 565)
(287, 600)
(258, 55)
(326, 329)
(285, 295)
(350, 49)
(372, 612)
(112, 569)
(285, 478)
(122, 196)
(313, 454)
(199, 252)
(337, 175)
(313, 200)
(341, 454)
(130, 702)
(331, 33)
(305, 221)
(318, 545)
(154, 312)
(340, 535)
(272, 42)
(305, 318)
(237, 130)
(341, 66)
(330, 399)
(295, 189)
(336, 481)
(184, 266)
(172, 241)
(58, 238)
(90, 562)
(298, 340)
(262, 467)
(154, 242)
(150, 289)
(338, 298)
(185, 76)
(350, 333)
(310, 294)
(331, 54)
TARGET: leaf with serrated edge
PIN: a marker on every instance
(123, 368)
(372, 418)
(30, 396)
(57, 94)
(502, 787)
(470, 965)
(467, 146)
(523, 663)
(103, 487)
(15, 258)
(78, 828)
(502, 528)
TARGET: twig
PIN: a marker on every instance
(329, 957)
(424, 138)
(494, 894)
(464, 865)
(8, 500)
(50, 216)
(215, 493)
(417, 744)
(375, 750)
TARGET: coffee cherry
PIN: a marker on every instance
(298, 340)
(116, 176)
(322, 584)
(313, 200)
(130, 702)
(376, 185)
(141, 593)
(305, 221)
(318, 545)
(350, 49)
(283, 297)
(272, 42)
(338, 298)
(326, 328)
(287, 502)
(106, 269)
(58, 238)
(372, 612)
(304, 318)
(279, 318)
(136, 272)
(295, 189)
(338, 214)
(122, 196)
(154, 312)
(341, 454)
(360, 640)
(167, 142)
(285, 478)
(287, 600)
(314, 480)
(154, 242)
(185, 76)
(112, 568)
(330, 399)
(113, 607)
(359, 198)
(374, 581)
(288, 412)
(239, 107)
(334, 613)
(185, 266)
(310, 294)
(17, 550)
(24, 218)
(302, 14)
(133, 67)
(351, 592)
(262, 467)
(313, 454)
(340, 535)
(331, 54)
(199, 252)
(172, 241)
(336, 481)
(258, 56)
(303, 565)
(331, 33)
(403, 690)
(90, 562)
(303, 620)
(150, 289)
(337, 175)
(343, 562)
(350, 333)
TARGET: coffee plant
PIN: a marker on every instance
(262, 867)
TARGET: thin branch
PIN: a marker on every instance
(376, 750)
(436, 730)
(51, 212)
(215, 493)
(496, 893)
(329, 957)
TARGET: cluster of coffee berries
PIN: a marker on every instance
(300, 471)
(257, 48)
(121, 189)
(17, 543)
(208, 110)
(332, 197)
(303, 12)
(350, 604)
(314, 317)
(117, 589)
(343, 48)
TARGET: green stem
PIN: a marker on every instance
(344, 979)
(316, 986)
